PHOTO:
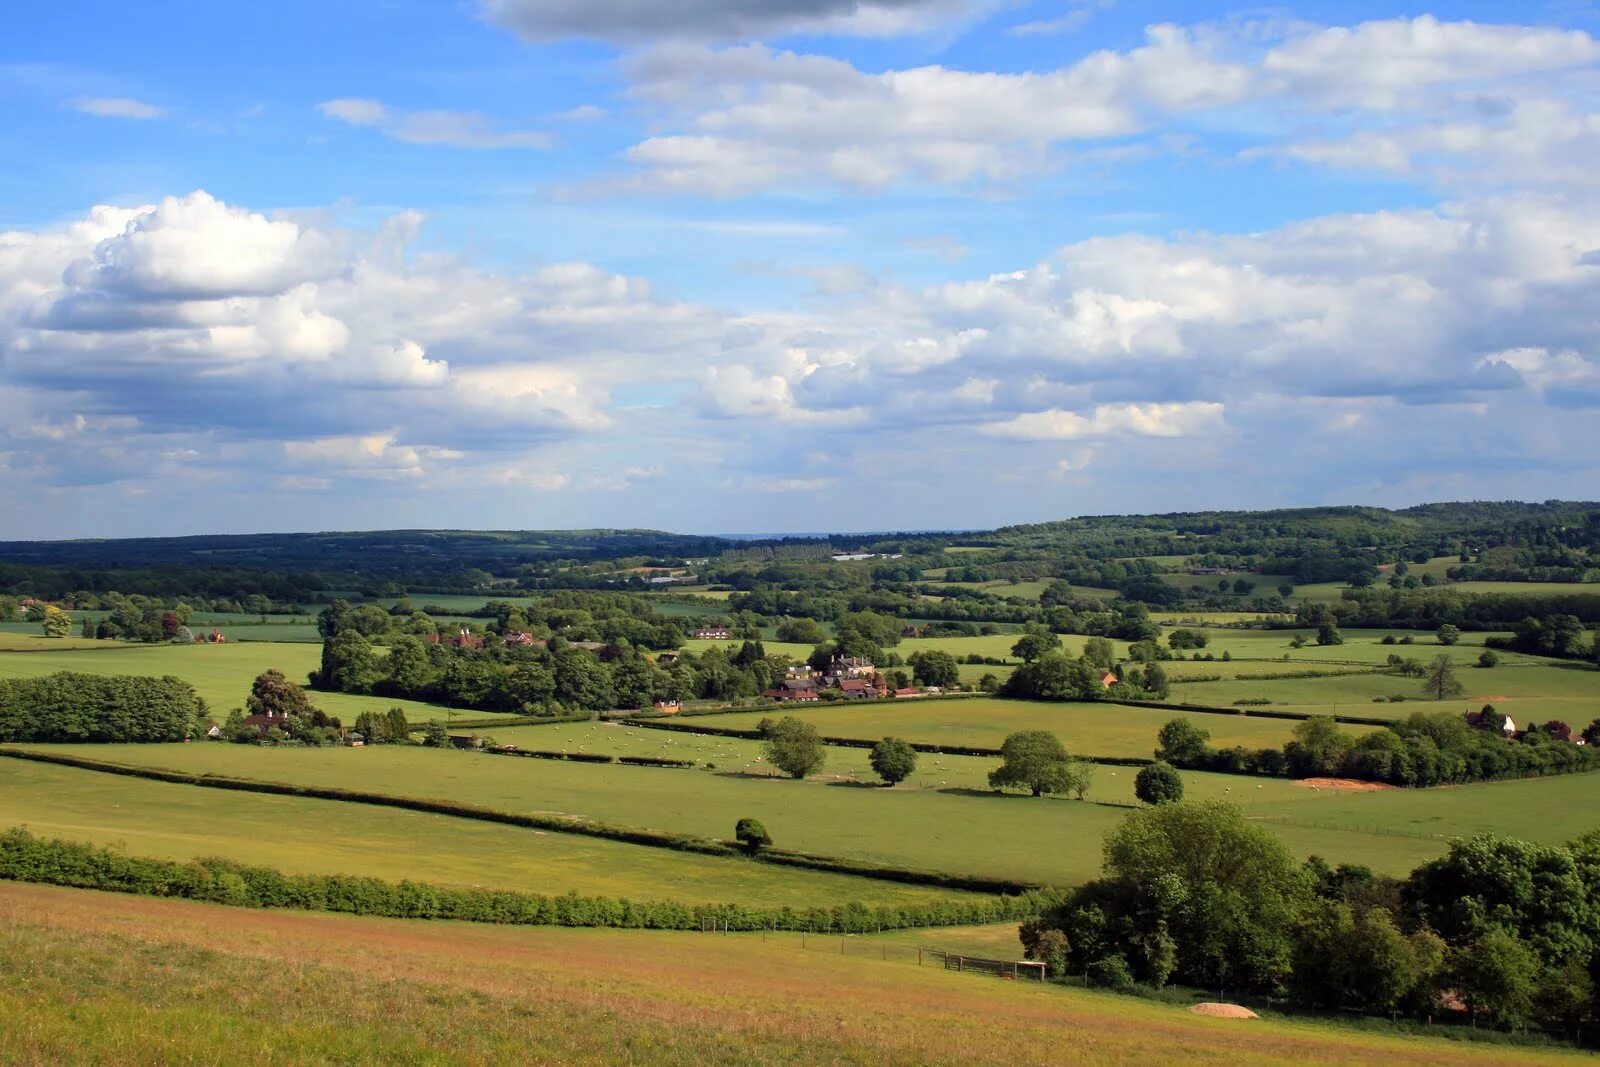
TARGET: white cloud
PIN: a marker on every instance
(759, 118)
(195, 247)
(1383, 64)
(116, 107)
(1110, 420)
(433, 126)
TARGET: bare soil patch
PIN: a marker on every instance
(1349, 785)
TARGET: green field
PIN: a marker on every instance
(951, 827)
(221, 674)
(1529, 694)
(301, 835)
(1092, 729)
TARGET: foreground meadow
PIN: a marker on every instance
(129, 981)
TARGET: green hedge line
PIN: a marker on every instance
(1209, 709)
(26, 858)
(553, 823)
(590, 757)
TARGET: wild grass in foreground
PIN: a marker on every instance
(98, 979)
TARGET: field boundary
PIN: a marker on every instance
(551, 823)
(52, 861)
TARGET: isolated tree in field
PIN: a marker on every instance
(1181, 742)
(1488, 658)
(1441, 681)
(1030, 646)
(1449, 634)
(56, 623)
(435, 735)
(1328, 634)
(1158, 783)
(935, 667)
(1082, 772)
(1036, 760)
(794, 747)
(893, 760)
(751, 835)
(273, 694)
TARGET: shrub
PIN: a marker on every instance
(1158, 783)
(1111, 972)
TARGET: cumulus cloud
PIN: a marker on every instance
(431, 126)
(317, 354)
(635, 20)
(116, 107)
(760, 117)
(1395, 94)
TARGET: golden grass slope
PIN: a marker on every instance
(101, 979)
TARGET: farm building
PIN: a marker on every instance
(713, 633)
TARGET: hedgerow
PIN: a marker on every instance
(26, 858)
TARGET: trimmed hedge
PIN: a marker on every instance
(26, 858)
(553, 823)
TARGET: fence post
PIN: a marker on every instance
(919, 957)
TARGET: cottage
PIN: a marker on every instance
(1108, 679)
(713, 633)
(785, 695)
(518, 638)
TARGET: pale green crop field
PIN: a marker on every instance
(1113, 730)
(221, 674)
(954, 828)
(305, 836)
(1528, 693)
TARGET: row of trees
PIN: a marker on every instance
(1195, 894)
(1425, 749)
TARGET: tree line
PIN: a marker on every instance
(1196, 894)
(71, 707)
(1425, 749)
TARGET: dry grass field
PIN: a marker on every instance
(100, 979)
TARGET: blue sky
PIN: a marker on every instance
(793, 265)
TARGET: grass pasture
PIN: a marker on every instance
(221, 674)
(132, 981)
(1529, 693)
(1092, 729)
(301, 835)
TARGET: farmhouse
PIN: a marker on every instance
(465, 639)
(713, 633)
(267, 721)
(1108, 679)
(517, 637)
